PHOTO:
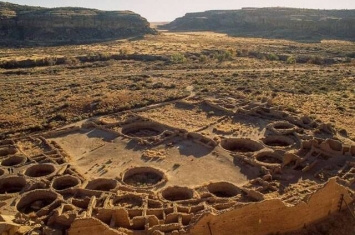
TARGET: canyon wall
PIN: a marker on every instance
(55, 25)
(290, 23)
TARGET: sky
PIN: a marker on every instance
(168, 10)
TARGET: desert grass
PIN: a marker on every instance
(320, 83)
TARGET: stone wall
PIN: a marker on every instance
(273, 216)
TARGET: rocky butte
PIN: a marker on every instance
(288, 23)
(25, 24)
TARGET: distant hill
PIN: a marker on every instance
(289, 23)
(25, 24)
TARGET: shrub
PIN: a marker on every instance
(123, 51)
(351, 54)
(178, 58)
(104, 56)
(224, 55)
(71, 61)
(347, 60)
(203, 58)
(272, 56)
(316, 60)
(256, 54)
(243, 52)
(291, 60)
(50, 61)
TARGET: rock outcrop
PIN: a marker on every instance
(290, 23)
(62, 25)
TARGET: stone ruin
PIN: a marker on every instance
(293, 171)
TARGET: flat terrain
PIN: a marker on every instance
(48, 96)
(93, 153)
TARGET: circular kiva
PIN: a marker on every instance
(223, 189)
(144, 177)
(282, 128)
(177, 193)
(12, 185)
(65, 182)
(278, 141)
(129, 201)
(14, 161)
(268, 158)
(8, 150)
(102, 184)
(35, 200)
(241, 145)
(142, 129)
(335, 145)
(40, 170)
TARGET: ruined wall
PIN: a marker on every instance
(265, 217)
(273, 216)
(92, 226)
(285, 195)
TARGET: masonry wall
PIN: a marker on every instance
(274, 216)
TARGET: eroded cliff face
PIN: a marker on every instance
(272, 22)
(55, 25)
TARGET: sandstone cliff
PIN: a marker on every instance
(291, 23)
(61, 25)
